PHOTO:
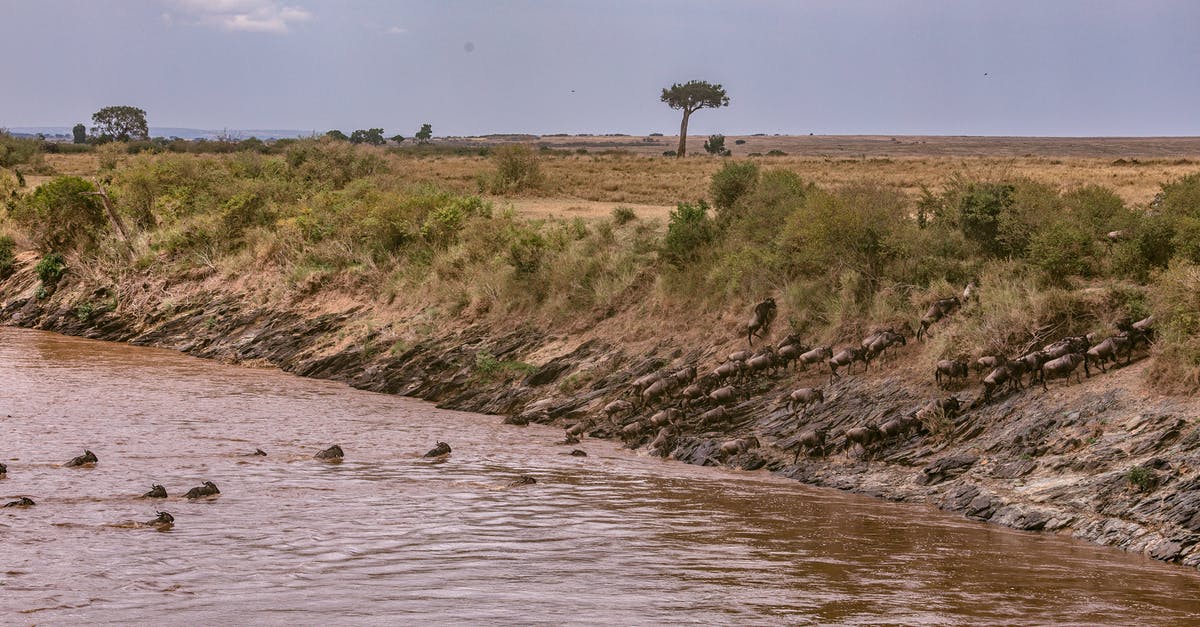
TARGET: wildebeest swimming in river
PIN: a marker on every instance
(208, 489)
(88, 457)
(333, 453)
(156, 492)
(24, 501)
(441, 450)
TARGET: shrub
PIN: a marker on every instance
(689, 231)
(1181, 198)
(61, 214)
(739, 142)
(18, 150)
(517, 170)
(734, 180)
(623, 215)
(669, 153)
(1142, 478)
(243, 211)
(715, 145)
(1061, 250)
(776, 153)
(8, 256)
(1176, 306)
(979, 212)
(50, 270)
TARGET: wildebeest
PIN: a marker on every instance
(789, 353)
(333, 453)
(1032, 363)
(814, 356)
(87, 458)
(156, 492)
(863, 436)
(737, 447)
(664, 417)
(951, 369)
(813, 439)
(760, 320)
(441, 450)
(1072, 344)
(631, 431)
(641, 383)
(938, 310)
(1111, 348)
(3, 470)
(987, 363)
(619, 406)
(729, 369)
(662, 440)
(1063, 367)
(684, 375)
(881, 343)
(657, 390)
(163, 521)
(714, 416)
(845, 357)
(1000, 375)
(804, 397)
(208, 489)
(933, 411)
(970, 293)
(760, 363)
(724, 395)
(24, 501)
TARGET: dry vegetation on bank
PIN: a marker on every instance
(843, 244)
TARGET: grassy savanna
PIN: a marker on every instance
(524, 236)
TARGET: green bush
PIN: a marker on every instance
(623, 215)
(50, 270)
(1142, 478)
(517, 170)
(61, 214)
(1176, 305)
(689, 232)
(243, 211)
(734, 180)
(8, 256)
(1181, 198)
(980, 208)
(18, 150)
(1061, 250)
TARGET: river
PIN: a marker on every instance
(389, 537)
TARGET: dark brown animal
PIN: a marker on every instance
(619, 406)
(729, 369)
(208, 489)
(156, 492)
(863, 436)
(521, 481)
(662, 440)
(760, 363)
(1072, 344)
(725, 395)
(631, 431)
(684, 375)
(441, 450)
(664, 417)
(163, 521)
(24, 501)
(714, 416)
(882, 342)
(788, 354)
(996, 379)
(987, 363)
(656, 391)
(951, 369)
(3, 470)
(737, 447)
(86, 459)
(741, 355)
(938, 310)
(760, 320)
(333, 453)
(1032, 363)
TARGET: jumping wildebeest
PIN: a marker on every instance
(951, 369)
(938, 310)
(208, 489)
(1063, 367)
(802, 398)
(760, 320)
(810, 440)
(333, 453)
(156, 492)
(846, 357)
(88, 457)
(815, 356)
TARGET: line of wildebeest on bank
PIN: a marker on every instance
(686, 398)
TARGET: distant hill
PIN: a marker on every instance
(170, 131)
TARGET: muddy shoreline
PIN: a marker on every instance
(1056, 461)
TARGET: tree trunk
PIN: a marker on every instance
(683, 135)
(115, 219)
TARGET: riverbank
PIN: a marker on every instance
(1105, 460)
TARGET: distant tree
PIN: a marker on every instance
(690, 98)
(715, 145)
(373, 136)
(425, 134)
(121, 123)
(338, 135)
(80, 132)
(397, 138)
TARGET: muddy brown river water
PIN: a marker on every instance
(387, 537)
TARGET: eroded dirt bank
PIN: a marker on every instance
(1057, 461)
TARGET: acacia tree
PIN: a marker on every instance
(373, 136)
(120, 124)
(690, 98)
(425, 134)
(80, 133)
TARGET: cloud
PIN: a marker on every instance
(255, 16)
(396, 30)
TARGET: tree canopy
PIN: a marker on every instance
(689, 98)
(373, 136)
(80, 134)
(120, 123)
(425, 134)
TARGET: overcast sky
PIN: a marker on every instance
(1013, 67)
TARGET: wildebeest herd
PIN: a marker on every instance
(659, 406)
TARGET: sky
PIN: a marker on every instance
(470, 67)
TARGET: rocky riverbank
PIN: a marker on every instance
(1105, 460)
